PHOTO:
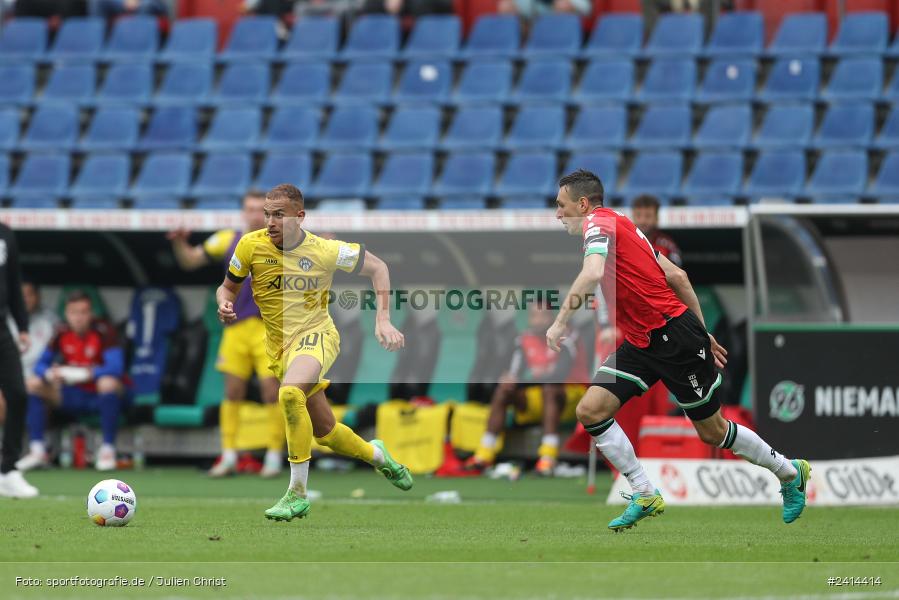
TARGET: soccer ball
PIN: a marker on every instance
(111, 503)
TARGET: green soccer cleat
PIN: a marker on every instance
(290, 506)
(794, 492)
(395, 473)
(638, 508)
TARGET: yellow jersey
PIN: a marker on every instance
(291, 286)
(218, 244)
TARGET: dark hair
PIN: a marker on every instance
(78, 296)
(584, 184)
(646, 201)
(254, 193)
(286, 190)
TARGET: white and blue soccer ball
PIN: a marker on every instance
(111, 503)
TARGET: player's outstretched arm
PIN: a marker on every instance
(224, 297)
(376, 269)
(189, 258)
(585, 283)
(679, 282)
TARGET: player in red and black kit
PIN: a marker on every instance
(664, 340)
(81, 371)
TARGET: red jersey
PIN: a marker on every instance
(534, 362)
(98, 348)
(633, 283)
(664, 244)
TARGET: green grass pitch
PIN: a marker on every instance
(533, 538)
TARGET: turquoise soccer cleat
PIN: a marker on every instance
(638, 508)
(289, 507)
(395, 473)
(794, 492)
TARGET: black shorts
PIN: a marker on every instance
(679, 354)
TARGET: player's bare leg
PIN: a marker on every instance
(596, 412)
(271, 465)
(793, 474)
(553, 401)
(506, 394)
(229, 424)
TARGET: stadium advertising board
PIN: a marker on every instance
(828, 393)
(730, 482)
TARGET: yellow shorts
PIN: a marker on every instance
(242, 350)
(322, 345)
(533, 413)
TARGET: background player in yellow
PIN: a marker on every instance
(242, 349)
(291, 272)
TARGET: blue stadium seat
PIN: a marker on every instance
(484, 82)
(786, 126)
(466, 174)
(52, 127)
(303, 83)
(493, 36)
(849, 125)
(79, 38)
(191, 40)
(657, 173)
(70, 84)
(861, 33)
(525, 203)
(344, 176)
(616, 35)
(23, 39)
(537, 128)
(465, 202)
(891, 94)
(676, 35)
(800, 34)
(554, 35)
(157, 202)
(776, 174)
(663, 127)
(412, 128)
(292, 167)
(223, 174)
(714, 175)
(425, 81)
(889, 133)
(602, 164)
(252, 39)
(792, 79)
(893, 50)
(365, 83)
(598, 126)
(163, 174)
(737, 34)
(313, 39)
(243, 83)
(434, 36)
(185, 83)
(725, 126)
(528, 174)
(4, 174)
(9, 129)
(350, 128)
(855, 79)
(372, 37)
(112, 128)
(18, 84)
(171, 128)
(606, 81)
(42, 180)
(401, 203)
(233, 129)
(842, 173)
(669, 81)
(886, 185)
(134, 38)
(405, 175)
(292, 128)
(475, 128)
(102, 175)
(728, 80)
(544, 81)
(99, 201)
(128, 84)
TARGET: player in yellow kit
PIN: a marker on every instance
(291, 272)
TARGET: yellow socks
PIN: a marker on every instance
(229, 421)
(277, 432)
(297, 422)
(344, 440)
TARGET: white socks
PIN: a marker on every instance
(299, 475)
(229, 457)
(551, 440)
(614, 445)
(746, 443)
(377, 457)
(488, 440)
(37, 447)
